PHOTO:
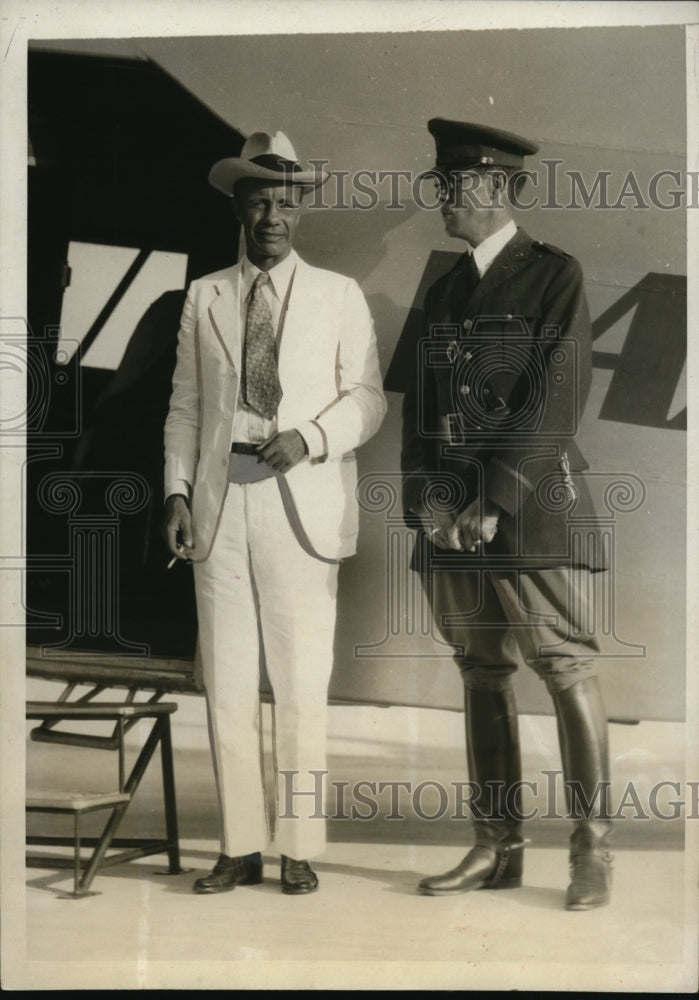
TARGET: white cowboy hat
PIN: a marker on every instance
(265, 157)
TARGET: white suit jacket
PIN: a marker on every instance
(332, 393)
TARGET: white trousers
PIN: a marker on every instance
(259, 593)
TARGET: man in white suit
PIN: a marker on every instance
(276, 383)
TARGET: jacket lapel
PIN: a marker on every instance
(224, 315)
(300, 329)
(511, 259)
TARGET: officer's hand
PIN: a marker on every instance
(283, 451)
(477, 524)
(441, 529)
(177, 527)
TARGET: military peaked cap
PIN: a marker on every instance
(463, 145)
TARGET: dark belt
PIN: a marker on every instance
(244, 448)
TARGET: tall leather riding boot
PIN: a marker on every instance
(582, 733)
(493, 757)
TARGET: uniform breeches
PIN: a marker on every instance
(496, 620)
(260, 594)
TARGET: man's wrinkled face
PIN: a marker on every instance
(269, 214)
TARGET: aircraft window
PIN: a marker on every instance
(110, 289)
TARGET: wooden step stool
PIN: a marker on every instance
(124, 715)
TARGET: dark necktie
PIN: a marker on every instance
(261, 388)
(464, 279)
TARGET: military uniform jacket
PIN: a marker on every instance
(493, 405)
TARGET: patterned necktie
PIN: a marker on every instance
(261, 388)
(464, 280)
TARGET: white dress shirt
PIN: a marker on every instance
(248, 425)
(486, 252)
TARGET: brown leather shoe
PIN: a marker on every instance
(297, 877)
(230, 872)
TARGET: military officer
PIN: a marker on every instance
(493, 480)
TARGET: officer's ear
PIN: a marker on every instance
(498, 186)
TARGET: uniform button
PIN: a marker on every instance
(464, 390)
(467, 324)
(509, 316)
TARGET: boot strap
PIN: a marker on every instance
(605, 855)
(503, 855)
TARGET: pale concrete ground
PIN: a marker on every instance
(366, 926)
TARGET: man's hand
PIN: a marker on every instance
(441, 529)
(477, 524)
(283, 451)
(177, 527)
